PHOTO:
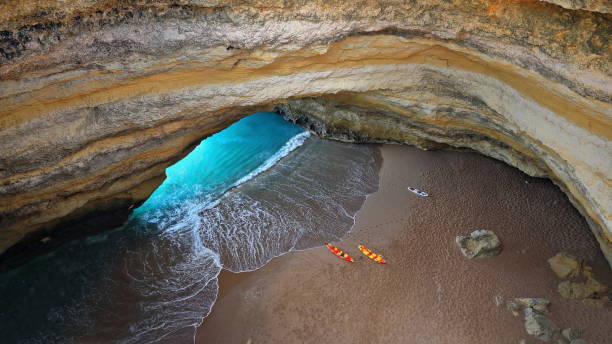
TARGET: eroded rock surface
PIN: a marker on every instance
(97, 98)
(539, 326)
(565, 265)
(582, 290)
(603, 6)
(537, 303)
(571, 333)
(479, 244)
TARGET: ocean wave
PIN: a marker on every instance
(289, 147)
(184, 210)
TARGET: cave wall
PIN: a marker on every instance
(98, 97)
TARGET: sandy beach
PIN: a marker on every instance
(428, 292)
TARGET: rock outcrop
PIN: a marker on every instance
(603, 6)
(539, 326)
(479, 244)
(98, 97)
(567, 266)
(520, 304)
(583, 285)
(578, 290)
(571, 333)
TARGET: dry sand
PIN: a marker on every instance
(428, 292)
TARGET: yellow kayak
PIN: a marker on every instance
(374, 256)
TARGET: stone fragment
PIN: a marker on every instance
(539, 326)
(571, 333)
(537, 303)
(579, 341)
(480, 243)
(596, 303)
(587, 271)
(513, 307)
(498, 300)
(565, 265)
(576, 290)
(595, 286)
(519, 304)
(572, 290)
(522, 341)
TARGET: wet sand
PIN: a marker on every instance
(428, 292)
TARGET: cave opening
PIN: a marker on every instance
(223, 160)
(235, 202)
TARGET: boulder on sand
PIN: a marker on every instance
(539, 326)
(576, 290)
(519, 304)
(571, 333)
(565, 265)
(481, 243)
(537, 303)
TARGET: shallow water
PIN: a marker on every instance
(246, 195)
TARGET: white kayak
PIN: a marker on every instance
(418, 192)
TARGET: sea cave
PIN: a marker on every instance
(185, 171)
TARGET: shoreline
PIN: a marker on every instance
(428, 292)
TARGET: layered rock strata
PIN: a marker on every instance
(603, 6)
(98, 97)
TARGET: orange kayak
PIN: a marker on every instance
(338, 252)
(374, 256)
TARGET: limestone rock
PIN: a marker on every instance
(571, 333)
(603, 6)
(573, 290)
(537, 303)
(480, 243)
(595, 287)
(578, 290)
(578, 341)
(596, 303)
(513, 307)
(539, 326)
(587, 271)
(565, 265)
(518, 305)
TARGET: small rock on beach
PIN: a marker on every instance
(480, 243)
(539, 326)
(517, 305)
(565, 265)
(576, 290)
(571, 333)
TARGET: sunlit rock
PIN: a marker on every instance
(479, 244)
(565, 265)
(539, 326)
(579, 290)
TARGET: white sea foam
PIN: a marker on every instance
(289, 147)
(187, 212)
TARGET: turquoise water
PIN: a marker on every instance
(223, 160)
(254, 191)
